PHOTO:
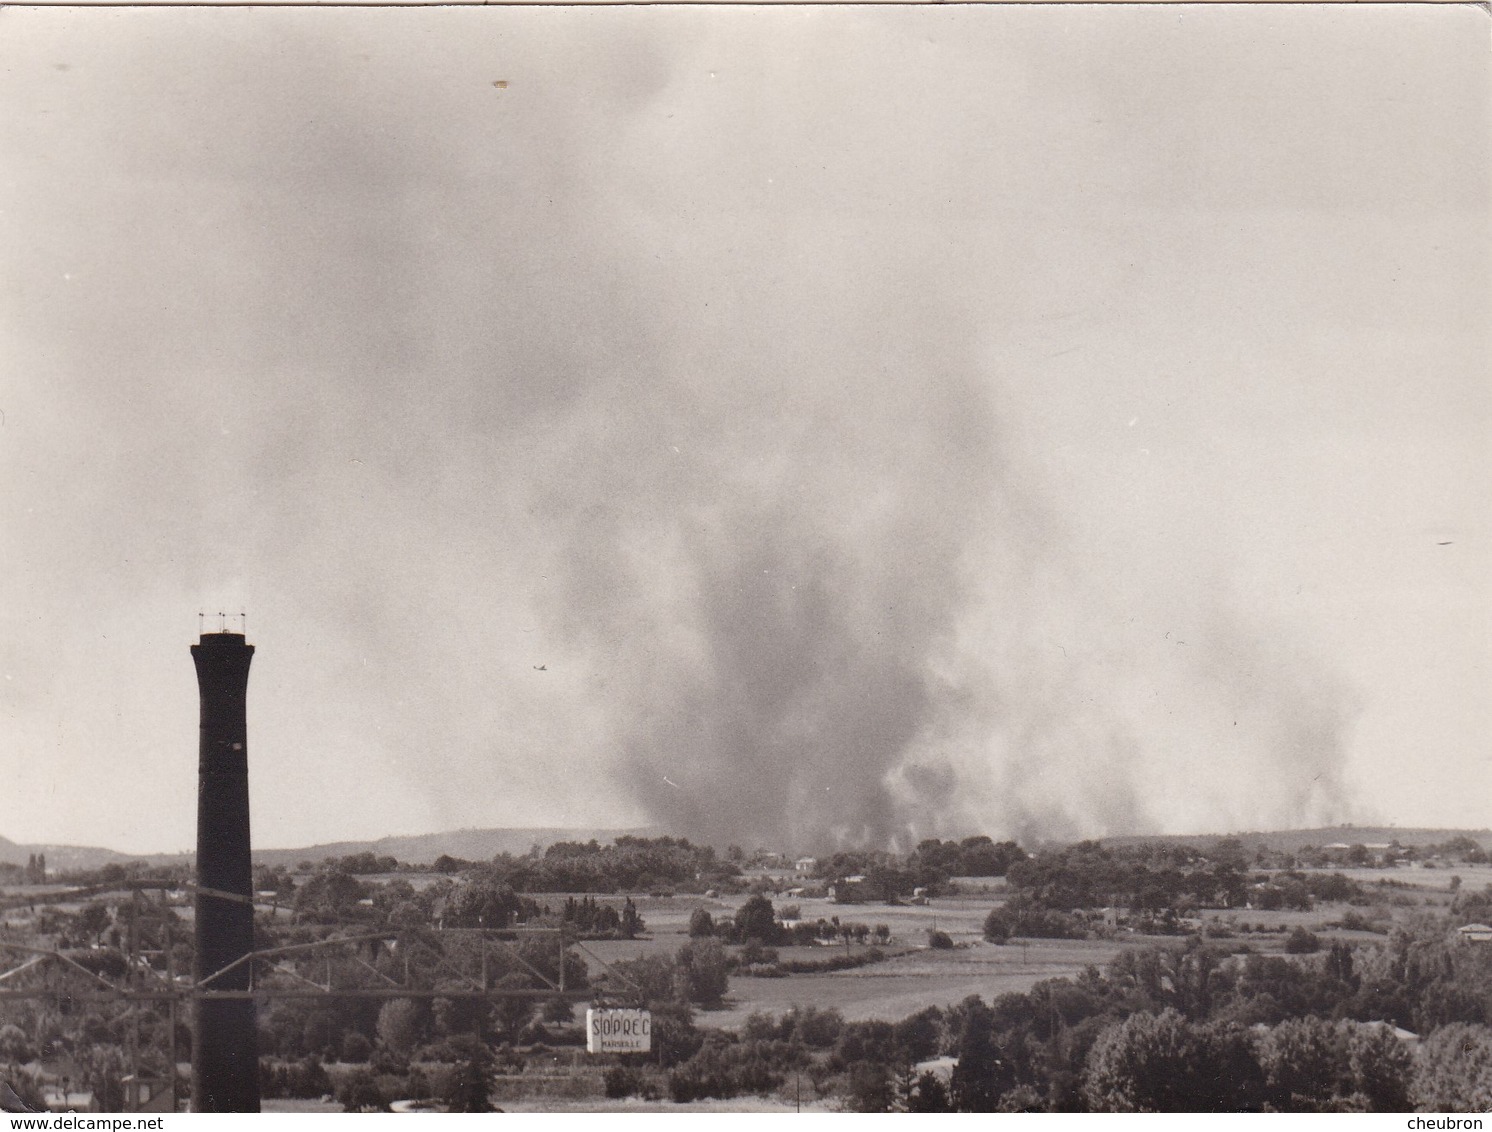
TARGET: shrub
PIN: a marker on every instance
(816, 1027)
(14, 1045)
(842, 961)
(939, 940)
(1302, 942)
(870, 1088)
(360, 1092)
(754, 954)
(724, 1069)
(1023, 916)
(927, 1093)
(356, 1048)
(622, 1081)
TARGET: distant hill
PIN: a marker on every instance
(60, 857)
(470, 844)
(1292, 840)
(484, 844)
(421, 849)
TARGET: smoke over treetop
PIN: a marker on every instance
(932, 427)
(843, 623)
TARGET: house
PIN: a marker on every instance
(806, 864)
(940, 1067)
(148, 1094)
(1408, 1037)
(1475, 933)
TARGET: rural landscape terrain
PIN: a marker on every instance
(913, 549)
(1323, 970)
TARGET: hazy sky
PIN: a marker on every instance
(789, 426)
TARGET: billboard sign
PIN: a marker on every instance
(618, 1031)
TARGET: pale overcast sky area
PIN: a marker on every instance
(793, 427)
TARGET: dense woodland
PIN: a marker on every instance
(1190, 1028)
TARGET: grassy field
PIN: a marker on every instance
(888, 990)
(905, 984)
(916, 976)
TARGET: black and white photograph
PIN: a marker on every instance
(712, 558)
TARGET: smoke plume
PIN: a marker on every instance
(614, 415)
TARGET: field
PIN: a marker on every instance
(916, 976)
(906, 983)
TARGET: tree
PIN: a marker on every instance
(675, 1037)
(332, 895)
(870, 1088)
(871, 1041)
(927, 1093)
(1380, 1067)
(1453, 1070)
(1305, 1064)
(701, 923)
(816, 1027)
(401, 1024)
(356, 1048)
(104, 1067)
(470, 1087)
(512, 1014)
(15, 1047)
(1338, 965)
(1161, 1063)
(93, 920)
(1302, 941)
(359, 1092)
(631, 924)
(1022, 1098)
(652, 978)
(756, 919)
(918, 1035)
(981, 1074)
(702, 966)
(486, 903)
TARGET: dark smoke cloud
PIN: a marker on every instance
(837, 618)
(669, 434)
(759, 572)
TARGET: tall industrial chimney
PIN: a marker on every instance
(225, 1059)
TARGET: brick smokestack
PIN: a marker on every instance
(225, 1060)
